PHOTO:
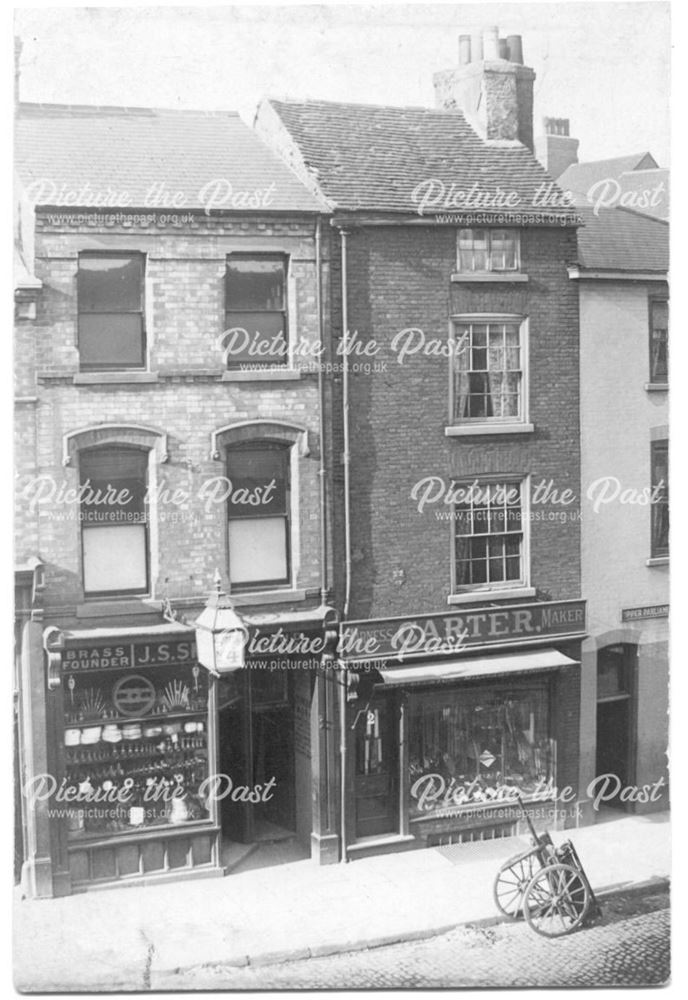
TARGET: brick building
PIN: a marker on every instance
(169, 424)
(456, 411)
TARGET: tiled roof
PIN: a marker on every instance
(122, 154)
(368, 157)
(617, 239)
(580, 177)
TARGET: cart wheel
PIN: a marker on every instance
(556, 901)
(511, 883)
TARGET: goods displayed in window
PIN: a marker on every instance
(476, 747)
(135, 749)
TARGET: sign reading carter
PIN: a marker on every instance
(457, 631)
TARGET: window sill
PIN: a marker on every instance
(657, 561)
(656, 387)
(267, 597)
(493, 276)
(487, 596)
(105, 607)
(466, 430)
(263, 375)
(114, 378)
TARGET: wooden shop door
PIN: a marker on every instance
(376, 769)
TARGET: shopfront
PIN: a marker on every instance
(478, 707)
(151, 765)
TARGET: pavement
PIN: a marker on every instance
(136, 938)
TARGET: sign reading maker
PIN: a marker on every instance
(452, 633)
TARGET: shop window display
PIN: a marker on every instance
(470, 747)
(136, 748)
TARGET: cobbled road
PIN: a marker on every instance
(628, 946)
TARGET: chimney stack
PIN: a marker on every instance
(491, 86)
(555, 148)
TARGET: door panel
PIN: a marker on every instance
(376, 767)
(613, 743)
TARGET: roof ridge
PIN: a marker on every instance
(36, 107)
(456, 112)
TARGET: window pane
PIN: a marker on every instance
(659, 341)
(111, 340)
(113, 484)
(255, 284)
(489, 534)
(114, 558)
(110, 284)
(255, 338)
(660, 499)
(259, 478)
(258, 550)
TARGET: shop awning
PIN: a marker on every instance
(478, 666)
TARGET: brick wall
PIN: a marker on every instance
(185, 316)
(400, 278)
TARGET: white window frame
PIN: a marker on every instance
(489, 269)
(151, 534)
(293, 533)
(491, 425)
(515, 588)
(290, 301)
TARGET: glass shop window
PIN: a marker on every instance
(473, 747)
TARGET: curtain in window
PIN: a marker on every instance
(503, 370)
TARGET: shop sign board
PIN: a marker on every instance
(640, 614)
(125, 655)
(462, 630)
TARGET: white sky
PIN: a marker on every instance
(603, 65)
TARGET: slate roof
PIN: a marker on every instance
(618, 239)
(125, 151)
(370, 157)
(580, 177)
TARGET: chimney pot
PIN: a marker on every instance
(464, 50)
(515, 47)
(490, 44)
(477, 47)
(503, 49)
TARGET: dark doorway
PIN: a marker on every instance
(256, 737)
(615, 679)
(376, 767)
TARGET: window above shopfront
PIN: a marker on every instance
(489, 525)
(111, 311)
(259, 515)
(488, 250)
(114, 521)
(489, 375)
(256, 310)
(660, 499)
(659, 341)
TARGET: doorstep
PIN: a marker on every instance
(367, 847)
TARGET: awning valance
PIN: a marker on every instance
(475, 666)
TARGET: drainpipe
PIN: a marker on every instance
(322, 475)
(345, 407)
(347, 529)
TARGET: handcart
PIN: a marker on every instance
(547, 885)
